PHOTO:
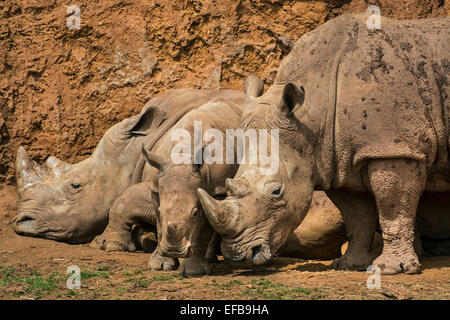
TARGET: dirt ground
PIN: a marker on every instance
(32, 268)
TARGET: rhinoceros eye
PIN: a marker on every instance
(75, 186)
(195, 212)
(277, 191)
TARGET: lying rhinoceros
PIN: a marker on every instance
(364, 115)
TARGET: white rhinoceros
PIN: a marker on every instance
(364, 115)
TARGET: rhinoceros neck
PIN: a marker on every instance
(124, 158)
(314, 64)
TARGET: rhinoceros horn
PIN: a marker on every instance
(57, 167)
(221, 215)
(28, 171)
(236, 187)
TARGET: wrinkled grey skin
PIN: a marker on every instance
(320, 235)
(183, 231)
(71, 202)
(74, 202)
(363, 115)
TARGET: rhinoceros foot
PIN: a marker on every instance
(158, 262)
(111, 243)
(195, 266)
(393, 263)
(350, 261)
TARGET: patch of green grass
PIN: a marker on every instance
(126, 273)
(103, 268)
(163, 277)
(225, 285)
(120, 291)
(33, 283)
(141, 282)
(101, 272)
(6, 275)
(72, 293)
(94, 274)
(35, 273)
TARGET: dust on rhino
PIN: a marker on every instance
(363, 115)
(130, 192)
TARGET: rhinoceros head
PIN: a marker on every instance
(181, 221)
(261, 209)
(58, 201)
(70, 202)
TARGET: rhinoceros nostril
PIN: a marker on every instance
(172, 225)
(23, 219)
(256, 250)
(260, 254)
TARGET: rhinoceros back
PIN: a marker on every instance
(378, 93)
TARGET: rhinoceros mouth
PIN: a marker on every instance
(27, 224)
(257, 252)
(33, 225)
(177, 251)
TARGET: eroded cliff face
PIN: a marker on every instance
(61, 89)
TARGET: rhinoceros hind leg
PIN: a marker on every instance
(145, 238)
(133, 207)
(397, 185)
(359, 213)
(158, 262)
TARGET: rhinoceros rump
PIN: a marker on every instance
(363, 115)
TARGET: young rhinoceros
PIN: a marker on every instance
(168, 196)
(364, 115)
(71, 202)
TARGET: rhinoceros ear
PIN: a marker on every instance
(293, 98)
(253, 87)
(148, 120)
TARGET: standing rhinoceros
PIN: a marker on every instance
(364, 115)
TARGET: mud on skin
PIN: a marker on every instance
(390, 153)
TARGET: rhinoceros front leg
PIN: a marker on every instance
(360, 219)
(158, 261)
(133, 207)
(397, 185)
(198, 263)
